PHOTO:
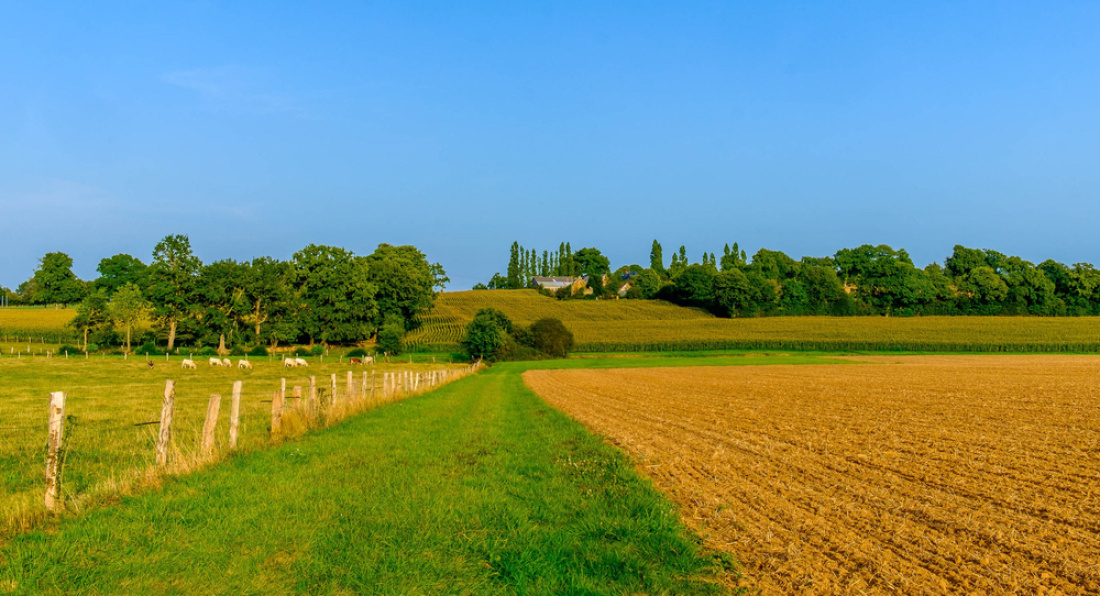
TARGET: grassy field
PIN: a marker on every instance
(108, 396)
(640, 326)
(476, 488)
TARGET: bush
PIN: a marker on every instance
(236, 351)
(149, 348)
(550, 337)
(258, 351)
(317, 350)
(208, 351)
(93, 348)
(70, 349)
(357, 353)
(391, 339)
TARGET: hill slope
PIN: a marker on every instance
(642, 325)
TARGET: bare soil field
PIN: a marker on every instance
(906, 475)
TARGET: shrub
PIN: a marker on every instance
(317, 350)
(208, 351)
(236, 351)
(391, 339)
(70, 349)
(484, 338)
(258, 351)
(550, 337)
(357, 353)
(93, 348)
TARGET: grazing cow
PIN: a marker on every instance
(368, 360)
(227, 362)
(216, 362)
(300, 362)
(244, 364)
(289, 363)
(355, 361)
(188, 363)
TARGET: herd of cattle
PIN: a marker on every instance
(287, 362)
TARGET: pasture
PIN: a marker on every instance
(908, 475)
(478, 487)
(641, 326)
(113, 409)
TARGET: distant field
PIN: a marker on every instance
(640, 326)
(36, 323)
(588, 319)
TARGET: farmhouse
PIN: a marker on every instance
(553, 284)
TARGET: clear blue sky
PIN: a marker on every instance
(460, 127)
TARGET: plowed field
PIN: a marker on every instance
(908, 475)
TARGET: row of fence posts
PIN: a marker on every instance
(395, 385)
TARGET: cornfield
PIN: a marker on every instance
(648, 326)
(37, 324)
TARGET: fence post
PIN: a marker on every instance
(235, 415)
(363, 386)
(282, 390)
(332, 400)
(312, 394)
(276, 414)
(212, 408)
(54, 438)
(371, 384)
(166, 411)
(350, 394)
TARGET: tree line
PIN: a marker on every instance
(322, 294)
(866, 280)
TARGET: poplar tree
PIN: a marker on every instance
(513, 267)
(656, 258)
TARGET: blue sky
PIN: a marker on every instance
(460, 127)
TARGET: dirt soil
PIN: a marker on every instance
(905, 475)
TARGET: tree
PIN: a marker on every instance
(336, 294)
(391, 336)
(733, 294)
(591, 262)
(648, 283)
(982, 286)
(119, 270)
(91, 314)
(550, 337)
(695, 286)
(55, 282)
(487, 334)
(514, 267)
(267, 299)
(173, 281)
(657, 259)
(127, 309)
(773, 264)
(404, 281)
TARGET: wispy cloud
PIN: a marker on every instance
(231, 88)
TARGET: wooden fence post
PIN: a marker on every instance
(167, 408)
(297, 393)
(312, 393)
(276, 414)
(371, 384)
(350, 395)
(282, 390)
(332, 400)
(235, 415)
(55, 436)
(363, 386)
(212, 409)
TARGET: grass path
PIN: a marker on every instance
(477, 488)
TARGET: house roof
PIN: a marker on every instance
(554, 282)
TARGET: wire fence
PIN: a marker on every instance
(107, 453)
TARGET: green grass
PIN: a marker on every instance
(107, 396)
(476, 488)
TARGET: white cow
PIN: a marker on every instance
(368, 360)
(216, 362)
(289, 362)
(300, 362)
(227, 362)
(188, 363)
(244, 364)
